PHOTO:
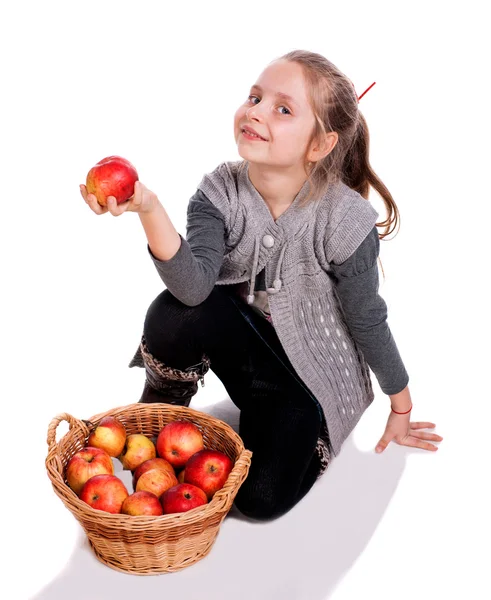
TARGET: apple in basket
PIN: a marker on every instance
(138, 449)
(156, 481)
(86, 463)
(209, 470)
(178, 441)
(104, 492)
(180, 477)
(112, 176)
(109, 435)
(181, 498)
(142, 503)
(152, 463)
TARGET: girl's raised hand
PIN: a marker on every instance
(142, 201)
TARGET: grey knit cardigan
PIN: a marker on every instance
(296, 251)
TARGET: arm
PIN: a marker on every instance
(401, 401)
(356, 284)
(188, 267)
(161, 234)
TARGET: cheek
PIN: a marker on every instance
(239, 115)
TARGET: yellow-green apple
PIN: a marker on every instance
(109, 435)
(137, 449)
(152, 463)
(180, 477)
(209, 470)
(142, 503)
(104, 492)
(156, 481)
(86, 463)
(179, 440)
(112, 176)
(182, 497)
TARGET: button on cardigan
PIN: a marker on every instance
(327, 312)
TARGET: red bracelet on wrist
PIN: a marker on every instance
(403, 413)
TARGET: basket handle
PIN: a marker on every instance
(72, 421)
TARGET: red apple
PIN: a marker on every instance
(156, 481)
(181, 498)
(152, 463)
(180, 477)
(112, 176)
(138, 449)
(114, 158)
(142, 503)
(104, 492)
(86, 463)
(209, 470)
(109, 435)
(178, 440)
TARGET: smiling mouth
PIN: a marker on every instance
(253, 135)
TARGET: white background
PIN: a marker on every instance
(159, 85)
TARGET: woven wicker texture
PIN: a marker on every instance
(147, 545)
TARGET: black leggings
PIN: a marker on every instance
(279, 419)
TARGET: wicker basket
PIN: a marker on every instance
(147, 545)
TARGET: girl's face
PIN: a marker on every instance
(285, 123)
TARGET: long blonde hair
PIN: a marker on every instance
(334, 103)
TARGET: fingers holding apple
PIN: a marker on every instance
(91, 201)
(143, 200)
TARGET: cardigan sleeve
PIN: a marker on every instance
(356, 284)
(193, 271)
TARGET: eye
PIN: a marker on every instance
(289, 113)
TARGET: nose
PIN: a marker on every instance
(253, 112)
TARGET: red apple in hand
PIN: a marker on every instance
(152, 463)
(104, 492)
(86, 463)
(181, 498)
(138, 449)
(209, 470)
(156, 481)
(177, 441)
(109, 435)
(142, 503)
(112, 176)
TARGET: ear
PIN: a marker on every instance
(321, 150)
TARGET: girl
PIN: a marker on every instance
(275, 287)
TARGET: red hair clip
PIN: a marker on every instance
(360, 97)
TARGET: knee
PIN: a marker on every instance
(165, 319)
(163, 311)
(261, 504)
